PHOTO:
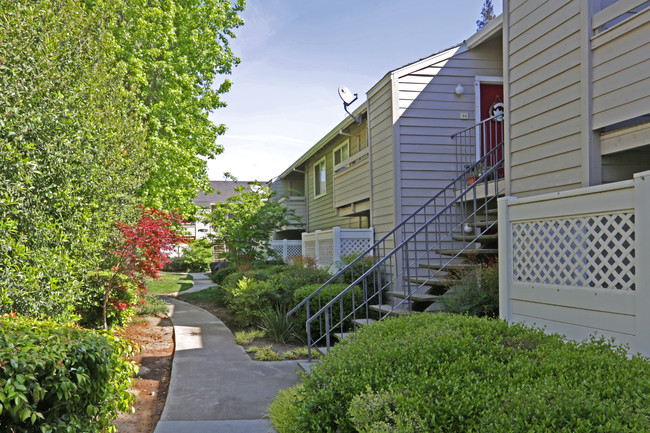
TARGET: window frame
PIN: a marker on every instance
(336, 149)
(316, 165)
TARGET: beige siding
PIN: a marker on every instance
(322, 213)
(381, 130)
(428, 118)
(543, 48)
(621, 80)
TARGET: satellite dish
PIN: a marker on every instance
(346, 95)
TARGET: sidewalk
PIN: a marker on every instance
(215, 387)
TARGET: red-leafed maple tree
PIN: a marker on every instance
(142, 251)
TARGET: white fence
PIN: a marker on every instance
(578, 262)
(286, 248)
(327, 247)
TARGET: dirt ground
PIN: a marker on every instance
(155, 335)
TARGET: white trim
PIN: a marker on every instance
(313, 173)
(340, 146)
(487, 32)
(478, 80)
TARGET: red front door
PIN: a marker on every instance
(491, 132)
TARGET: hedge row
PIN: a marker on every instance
(451, 373)
(60, 378)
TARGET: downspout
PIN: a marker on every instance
(372, 177)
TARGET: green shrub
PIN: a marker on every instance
(456, 373)
(247, 337)
(283, 410)
(314, 306)
(56, 378)
(218, 276)
(196, 257)
(477, 294)
(121, 305)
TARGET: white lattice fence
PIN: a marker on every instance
(576, 261)
(327, 247)
(588, 251)
(286, 248)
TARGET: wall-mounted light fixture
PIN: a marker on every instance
(459, 90)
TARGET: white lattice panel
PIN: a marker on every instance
(294, 250)
(590, 251)
(354, 246)
(310, 249)
(325, 252)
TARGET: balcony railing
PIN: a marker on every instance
(352, 180)
(297, 204)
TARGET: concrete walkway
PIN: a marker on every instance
(215, 387)
(201, 281)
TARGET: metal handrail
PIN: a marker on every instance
(401, 225)
(455, 201)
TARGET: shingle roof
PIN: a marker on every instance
(222, 190)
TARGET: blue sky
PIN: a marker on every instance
(294, 55)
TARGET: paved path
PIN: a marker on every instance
(215, 387)
(201, 281)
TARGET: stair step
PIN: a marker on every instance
(385, 308)
(470, 252)
(481, 224)
(415, 297)
(306, 365)
(364, 322)
(436, 307)
(493, 237)
(448, 267)
(322, 350)
(433, 282)
(340, 336)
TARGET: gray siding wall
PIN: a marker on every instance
(381, 130)
(429, 113)
(322, 214)
(542, 42)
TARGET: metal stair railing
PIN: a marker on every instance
(393, 261)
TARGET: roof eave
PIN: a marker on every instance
(490, 30)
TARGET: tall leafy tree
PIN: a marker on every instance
(487, 15)
(72, 152)
(174, 53)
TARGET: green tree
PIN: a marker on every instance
(487, 15)
(174, 52)
(245, 222)
(72, 152)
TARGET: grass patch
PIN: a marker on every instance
(169, 282)
(247, 337)
(152, 306)
(205, 295)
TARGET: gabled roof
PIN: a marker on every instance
(222, 190)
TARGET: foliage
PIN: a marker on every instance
(264, 353)
(244, 223)
(72, 153)
(169, 283)
(301, 353)
(142, 251)
(277, 325)
(173, 53)
(247, 337)
(122, 301)
(151, 306)
(314, 305)
(453, 373)
(218, 276)
(477, 294)
(210, 294)
(283, 411)
(196, 257)
(56, 377)
(487, 15)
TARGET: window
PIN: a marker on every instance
(320, 178)
(342, 153)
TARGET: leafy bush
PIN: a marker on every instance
(121, 305)
(283, 410)
(196, 257)
(314, 306)
(453, 373)
(220, 274)
(247, 337)
(477, 294)
(55, 377)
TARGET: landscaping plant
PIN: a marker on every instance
(455, 373)
(477, 294)
(61, 378)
